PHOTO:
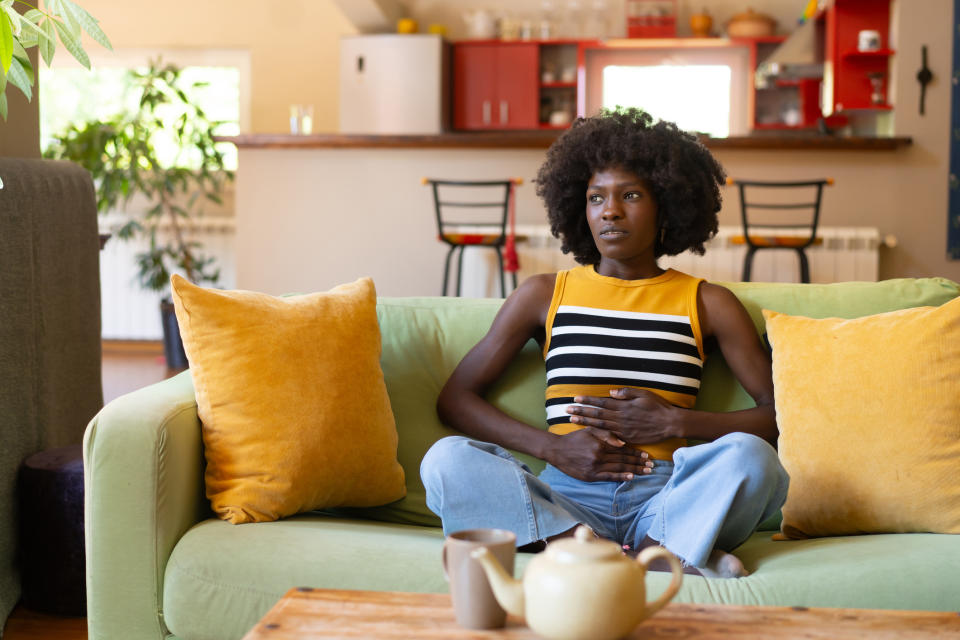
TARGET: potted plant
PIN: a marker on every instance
(126, 157)
(63, 19)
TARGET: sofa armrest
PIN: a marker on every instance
(143, 475)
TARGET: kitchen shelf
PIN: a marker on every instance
(866, 55)
(543, 138)
(782, 126)
(760, 39)
(865, 107)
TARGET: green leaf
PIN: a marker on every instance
(57, 8)
(14, 18)
(30, 33)
(6, 42)
(19, 77)
(3, 111)
(49, 44)
(72, 44)
(88, 22)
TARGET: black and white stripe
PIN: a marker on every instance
(623, 348)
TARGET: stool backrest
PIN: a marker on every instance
(468, 209)
(780, 208)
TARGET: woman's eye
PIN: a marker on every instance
(594, 197)
(630, 195)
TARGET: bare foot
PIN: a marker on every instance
(721, 564)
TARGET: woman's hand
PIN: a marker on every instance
(635, 415)
(596, 455)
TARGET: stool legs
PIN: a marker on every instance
(459, 269)
(801, 255)
(446, 270)
(748, 263)
(804, 266)
(503, 274)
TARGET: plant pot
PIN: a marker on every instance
(172, 344)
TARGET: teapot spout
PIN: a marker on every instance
(507, 590)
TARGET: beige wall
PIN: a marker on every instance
(294, 46)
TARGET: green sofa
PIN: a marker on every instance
(159, 565)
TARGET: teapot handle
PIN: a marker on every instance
(676, 571)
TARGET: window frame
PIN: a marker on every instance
(655, 53)
(133, 57)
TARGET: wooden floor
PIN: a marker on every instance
(127, 366)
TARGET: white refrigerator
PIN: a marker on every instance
(394, 84)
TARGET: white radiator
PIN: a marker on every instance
(847, 253)
(129, 312)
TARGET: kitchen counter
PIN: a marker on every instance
(543, 139)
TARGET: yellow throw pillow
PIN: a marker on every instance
(869, 418)
(292, 400)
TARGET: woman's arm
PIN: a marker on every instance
(723, 317)
(641, 416)
(589, 454)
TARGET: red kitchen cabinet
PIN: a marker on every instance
(495, 85)
(855, 79)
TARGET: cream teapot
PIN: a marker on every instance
(581, 588)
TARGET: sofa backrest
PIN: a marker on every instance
(425, 338)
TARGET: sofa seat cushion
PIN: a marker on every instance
(887, 571)
(221, 579)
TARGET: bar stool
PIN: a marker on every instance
(484, 209)
(797, 233)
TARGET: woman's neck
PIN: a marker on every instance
(624, 271)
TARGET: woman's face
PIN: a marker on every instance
(622, 216)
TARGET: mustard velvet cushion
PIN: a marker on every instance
(294, 410)
(869, 417)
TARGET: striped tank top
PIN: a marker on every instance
(605, 333)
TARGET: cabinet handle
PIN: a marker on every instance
(504, 112)
(486, 112)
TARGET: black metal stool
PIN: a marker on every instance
(796, 234)
(484, 209)
(51, 550)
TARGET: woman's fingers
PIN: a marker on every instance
(593, 422)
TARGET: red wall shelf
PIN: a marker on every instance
(879, 53)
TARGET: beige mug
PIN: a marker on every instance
(474, 605)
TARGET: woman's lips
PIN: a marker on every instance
(613, 234)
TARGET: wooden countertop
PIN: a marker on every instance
(542, 140)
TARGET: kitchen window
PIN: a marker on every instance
(70, 93)
(701, 89)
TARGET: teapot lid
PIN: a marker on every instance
(583, 547)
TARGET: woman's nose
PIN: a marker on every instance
(611, 209)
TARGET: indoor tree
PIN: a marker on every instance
(163, 151)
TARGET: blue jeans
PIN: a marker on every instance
(712, 496)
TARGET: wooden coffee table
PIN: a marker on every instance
(303, 614)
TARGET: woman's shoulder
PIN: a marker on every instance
(538, 286)
(716, 304)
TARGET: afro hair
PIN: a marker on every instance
(683, 176)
